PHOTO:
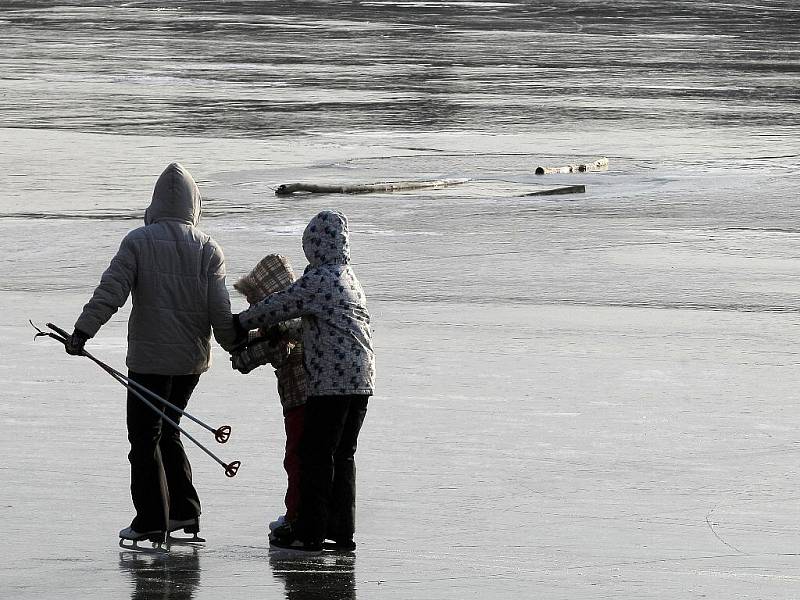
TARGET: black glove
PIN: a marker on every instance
(260, 353)
(243, 362)
(75, 342)
(272, 334)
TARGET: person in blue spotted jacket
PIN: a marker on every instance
(340, 368)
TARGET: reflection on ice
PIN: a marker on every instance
(323, 577)
(173, 576)
(176, 575)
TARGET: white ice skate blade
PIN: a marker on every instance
(185, 541)
(133, 546)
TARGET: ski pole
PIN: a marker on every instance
(221, 434)
(230, 468)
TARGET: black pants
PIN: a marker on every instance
(328, 468)
(161, 477)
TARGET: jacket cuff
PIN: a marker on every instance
(87, 327)
(247, 320)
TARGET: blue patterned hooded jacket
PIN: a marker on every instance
(336, 335)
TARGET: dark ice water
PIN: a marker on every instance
(267, 68)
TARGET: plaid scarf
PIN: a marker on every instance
(273, 273)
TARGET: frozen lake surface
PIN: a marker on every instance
(583, 396)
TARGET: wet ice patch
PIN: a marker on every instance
(392, 233)
(294, 228)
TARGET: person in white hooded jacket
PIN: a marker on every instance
(176, 275)
(340, 370)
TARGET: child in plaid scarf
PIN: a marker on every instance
(279, 346)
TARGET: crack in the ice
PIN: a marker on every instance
(717, 535)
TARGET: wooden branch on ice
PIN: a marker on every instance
(598, 165)
(569, 189)
(363, 188)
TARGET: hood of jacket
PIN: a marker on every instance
(326, 240)
(175, 198)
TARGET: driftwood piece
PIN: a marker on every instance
(569, 189)
(287, 189)
(598, 165)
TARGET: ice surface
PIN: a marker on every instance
(588, 396)
(585, 398)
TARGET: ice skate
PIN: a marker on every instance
(295, 546)
(134, 537)
(188, 526)
(277, 523)
(283, 539)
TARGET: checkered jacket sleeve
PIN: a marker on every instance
(292, 380)
(263, 352)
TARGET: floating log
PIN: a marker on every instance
(598, 165)
(569, 189)
(287, 189)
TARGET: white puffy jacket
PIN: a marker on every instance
(176, 275)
